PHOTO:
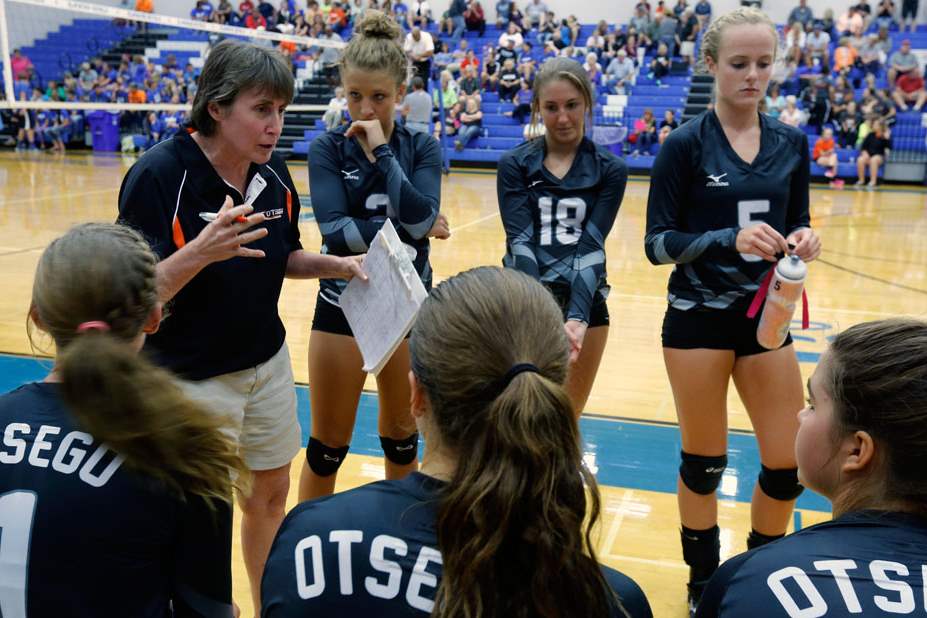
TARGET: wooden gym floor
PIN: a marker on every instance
(874, 265)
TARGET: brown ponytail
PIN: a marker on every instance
(511, 523)
(104, 272)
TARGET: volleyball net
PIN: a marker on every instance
(84, 56)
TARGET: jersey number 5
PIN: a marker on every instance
(745, 211)
(570, 214)
(17, 509)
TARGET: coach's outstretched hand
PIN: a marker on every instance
(807, 244)
(441, 228)
(763, 240)
(352, 266)
(227, 236)
(576, 332)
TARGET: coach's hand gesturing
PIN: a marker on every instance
(227, 236)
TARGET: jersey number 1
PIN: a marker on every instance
(571, 211)
(17, 509)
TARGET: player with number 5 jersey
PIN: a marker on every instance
(558, 197)
(728, 192)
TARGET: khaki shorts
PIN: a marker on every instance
(261, 404)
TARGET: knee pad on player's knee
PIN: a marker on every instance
(700, 473)
(780, 484)
(402, 452)
(324, 460)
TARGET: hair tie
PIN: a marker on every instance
(83, 327)
(495, 388)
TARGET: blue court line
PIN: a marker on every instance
(630, 454)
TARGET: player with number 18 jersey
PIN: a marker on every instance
(555, 228)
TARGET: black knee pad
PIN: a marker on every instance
(402, 452)
(700, 473)
(324, 460)
(780, 484)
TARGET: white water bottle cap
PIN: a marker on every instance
(792, 267)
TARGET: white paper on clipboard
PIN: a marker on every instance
(382, 309)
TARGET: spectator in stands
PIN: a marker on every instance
(471, 121)
(334, 115)
(420, 48)
(845, 56)
(791, 115)
(455, 14)
(516, 16)
(534, 13)
(593, 68)
(703, 12)
(841, 93)
(416, 108)
(817, 44)
(489, 78)
(687, 34)
(816, 102)
(419, 14)
(509, 81)
(448, 92)
(881, 106)
(796, 37)
(870, 55)
(475, 18)
(526, 72)
(660, 65)
(901, 62)
(595, 42)
(522, 101)
(470, 60)
(549, 25)
(507, 52)
(645, 133)
(885, 14)
(620, 73)
(667, 125)
(470, 84)
(513, 34)
(825, 152)
(848, 125)
(679, 8)
(865, 11)
(20, 64)
(910, 89)
(801, 14)
(443, 59)
(23, 125)
(908, 14)
(641, 20)
(775, 102)
(556, 44)
(202, 11)
(666, 33)
(255, 20)
(503, 13)
(850, 23)
(223, 12)
(570, 29)
(873, 152)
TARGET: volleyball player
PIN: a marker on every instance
(495, 523)
(220, 209)
(559, 195)
(860, 443)
(361, 175)
(728, 193)
(115, 489)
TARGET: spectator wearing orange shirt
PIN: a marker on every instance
(825, 154)
(908, 88)
(844, 56)
(144, 6)
(137, 95)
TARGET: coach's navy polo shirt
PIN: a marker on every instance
(225, 319)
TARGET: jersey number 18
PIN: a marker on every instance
(568, 220)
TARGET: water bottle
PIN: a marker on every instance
(784, 292)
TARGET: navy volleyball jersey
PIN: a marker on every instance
(81, 535)
(702, 194)
(555, 228)
(352, 197)
(372, 551)
(868, 563)
(225, 319)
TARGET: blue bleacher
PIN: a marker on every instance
(73, 44)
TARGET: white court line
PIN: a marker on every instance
(56, 196)
(472, 223)
(672, 564)
(620, 510)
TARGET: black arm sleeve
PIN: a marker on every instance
(589, 260)
(202, 585)
(417, 199)
(665, 243)
(341, 233)
(517, 218)
(798, 215)
(145, 206)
